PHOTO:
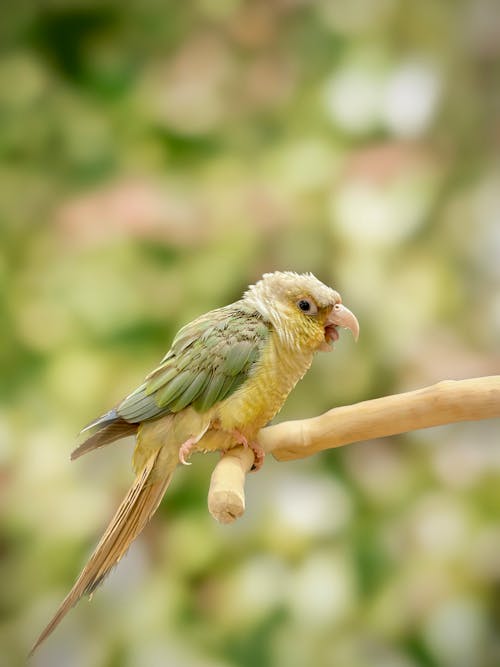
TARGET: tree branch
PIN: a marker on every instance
(226, 496)
(443, 403)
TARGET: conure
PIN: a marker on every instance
(226, 375)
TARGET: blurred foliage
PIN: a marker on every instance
(155, 158)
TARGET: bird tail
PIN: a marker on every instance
(136, 509)
(107, 433)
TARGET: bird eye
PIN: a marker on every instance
(304, 305)
(307, 306)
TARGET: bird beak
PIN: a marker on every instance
(343, 317)
(340, 316)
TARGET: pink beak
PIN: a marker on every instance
(340, 316)
(343, 317)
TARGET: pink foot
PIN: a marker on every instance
(259, 455)
(239, 437)
(186, 450)
(257, 450)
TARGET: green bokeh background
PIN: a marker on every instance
(155, 158)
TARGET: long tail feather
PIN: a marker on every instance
(105, 436)
(136, 509)
(102, 420)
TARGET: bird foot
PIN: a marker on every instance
(186, 449)
(258, 450)
(259, 455)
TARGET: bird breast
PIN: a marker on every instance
(262, 395)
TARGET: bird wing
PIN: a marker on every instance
(209, 359)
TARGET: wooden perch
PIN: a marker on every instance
(443, 403)
(226, 496)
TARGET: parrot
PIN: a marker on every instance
(225, 376)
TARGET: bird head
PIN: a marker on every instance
(304, 312)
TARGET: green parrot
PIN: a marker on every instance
(226, 375)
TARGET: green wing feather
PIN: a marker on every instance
(209, 359)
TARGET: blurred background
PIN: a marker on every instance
(155, 158)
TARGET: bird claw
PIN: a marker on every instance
(186, 449)
(258, 450)
(259, 455)
(239, 437)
